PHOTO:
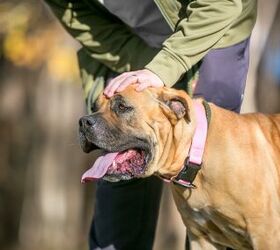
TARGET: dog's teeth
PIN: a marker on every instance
(114, 165)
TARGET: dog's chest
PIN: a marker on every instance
(204, 219)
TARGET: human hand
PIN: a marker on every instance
(144, 78)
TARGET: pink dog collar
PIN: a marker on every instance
(194, 159)
(200, 135)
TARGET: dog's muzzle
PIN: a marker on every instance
(125, 158)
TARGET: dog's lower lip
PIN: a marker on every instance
(132, 163)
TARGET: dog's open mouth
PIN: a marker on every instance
(117, 166)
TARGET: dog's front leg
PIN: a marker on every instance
(201, 243)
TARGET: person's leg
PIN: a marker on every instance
(222, 76)
(125, 214)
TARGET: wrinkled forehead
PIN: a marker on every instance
(145, 99)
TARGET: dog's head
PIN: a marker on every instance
(141, 133)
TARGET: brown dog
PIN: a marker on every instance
(236, 203)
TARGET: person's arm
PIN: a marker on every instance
(195, 35)
(206, 23)
(104, 37)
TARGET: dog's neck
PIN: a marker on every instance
(185, 172)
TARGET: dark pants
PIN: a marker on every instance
(126, 212)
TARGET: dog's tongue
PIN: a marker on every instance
(100, 167)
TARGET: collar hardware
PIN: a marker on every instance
(187, 174)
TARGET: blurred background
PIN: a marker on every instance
(42, 203)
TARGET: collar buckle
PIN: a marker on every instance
(187, 175)
(184, 184)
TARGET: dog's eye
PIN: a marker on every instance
(119, 105)
(123, 108)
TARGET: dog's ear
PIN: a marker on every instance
(174, 104)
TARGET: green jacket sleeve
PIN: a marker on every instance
(104, 37)
(206, 23)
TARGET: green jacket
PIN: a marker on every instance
(108, 45)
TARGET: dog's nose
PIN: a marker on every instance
(86, 121)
